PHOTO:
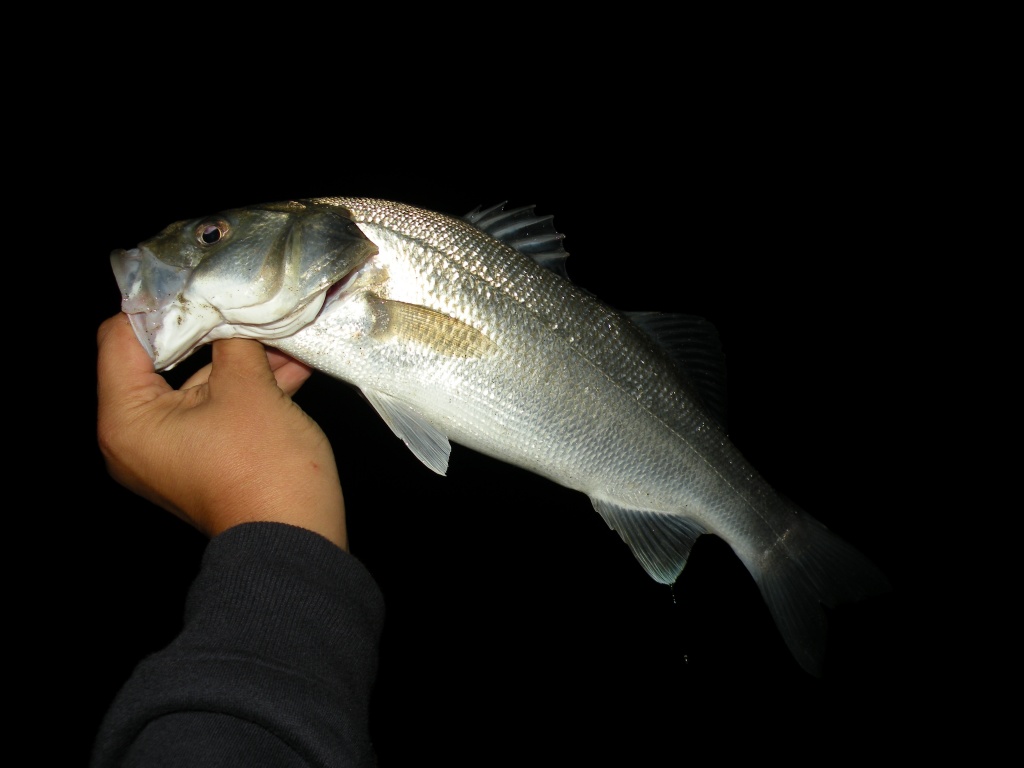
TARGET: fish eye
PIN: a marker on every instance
(213, 231)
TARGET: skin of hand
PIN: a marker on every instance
(229, 447)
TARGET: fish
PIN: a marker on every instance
(468, 330)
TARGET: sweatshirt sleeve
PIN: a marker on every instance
(274, 665)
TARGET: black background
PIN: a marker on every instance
(518, 624)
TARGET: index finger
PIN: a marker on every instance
(123, 368)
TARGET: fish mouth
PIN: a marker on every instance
(147, 285)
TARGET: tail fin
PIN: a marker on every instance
(812, 567)
(809, 567)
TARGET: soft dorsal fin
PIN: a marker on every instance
(524, 230)
(694, 344)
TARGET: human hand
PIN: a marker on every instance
(229, 447)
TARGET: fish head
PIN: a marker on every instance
(259, 272)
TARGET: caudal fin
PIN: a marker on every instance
(810, 567)
(813, 568)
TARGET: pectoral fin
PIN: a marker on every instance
(445, 335)
(661, 543)
(430, 445)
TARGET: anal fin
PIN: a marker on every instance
(661, 543)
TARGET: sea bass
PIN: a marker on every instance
(468, 330)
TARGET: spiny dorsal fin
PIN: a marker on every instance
(524, 230)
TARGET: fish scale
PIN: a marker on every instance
(467, 330)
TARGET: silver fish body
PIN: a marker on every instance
(466, 330)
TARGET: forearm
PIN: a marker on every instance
(278, 654)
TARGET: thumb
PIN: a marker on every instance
(240, 363)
